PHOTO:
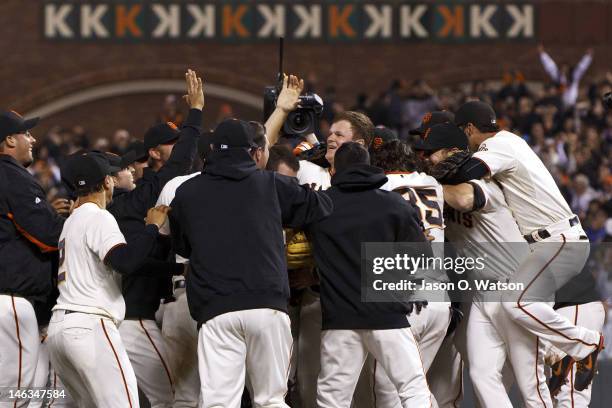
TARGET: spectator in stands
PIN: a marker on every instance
(565, 78)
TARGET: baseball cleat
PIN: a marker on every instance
(587, 367)
(560, 372)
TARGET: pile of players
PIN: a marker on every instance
(260, 236)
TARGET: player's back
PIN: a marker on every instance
(529, 188)
(425, 193)
(317, 177)
(85, 282)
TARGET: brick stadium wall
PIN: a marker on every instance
(35, 71)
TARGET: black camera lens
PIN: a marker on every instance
(299, 123)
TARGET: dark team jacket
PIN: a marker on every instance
(362, 213)
(229, 222)
(582, 288)
(29, 234)
(143, 289)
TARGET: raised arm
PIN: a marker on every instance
(582, 66)
(299, 204)
(549, 64)
(287, 101)
(185, 150)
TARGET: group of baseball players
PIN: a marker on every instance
(241, 284)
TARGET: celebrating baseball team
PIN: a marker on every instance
(241, 284)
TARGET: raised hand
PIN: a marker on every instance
(288, 98)
(195, 90)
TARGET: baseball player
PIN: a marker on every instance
(29, 232)
(171, 153)
(559, 246)
(480, 222)
(237, 284)
(179, 329)
(580, 302)
(352, 329)
(347, 126)
(84, 343)
(429, 325)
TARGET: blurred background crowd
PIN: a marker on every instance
(564, 120)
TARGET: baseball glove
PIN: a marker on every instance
(448, 168)
(298, 251)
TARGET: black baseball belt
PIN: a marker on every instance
(544, 233)
(179, 284)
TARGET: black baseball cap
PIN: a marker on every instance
(136, 153)
(12, 123)
(478, 113)
(433, 118)
(443, 136)
(162, 133)
(88, 169)
(382, 135)
(120, 162)
(233, 133)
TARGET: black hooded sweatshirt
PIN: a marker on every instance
(229, 222)
(362, 213)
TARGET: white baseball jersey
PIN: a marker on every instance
(480, 233)
(167, 195)
(317, 177)
(529, 188)
(86, 284)
(426, 193)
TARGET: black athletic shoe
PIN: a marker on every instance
(587, 367)
(560, 372)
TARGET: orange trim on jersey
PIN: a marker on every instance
(288, 369)
(42, 246)
(158, 354)
(416, 343)
(458, 397)
(519, 305)
(20, 346)
(374, 382)
(54, 387)
(127, 391)
(572, 369)
(536, 371)
(485, 163)
(105, 260)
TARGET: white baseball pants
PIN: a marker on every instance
(19, 347)
(344, 352)
(89, 356)
(591, 316)
(256, 341)
(493, 340)
(549, 266)
(180, 333)
(146, 349)
(429, 328)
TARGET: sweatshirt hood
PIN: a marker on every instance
(234, 164)
(359, 177)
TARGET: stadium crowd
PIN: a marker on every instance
(575, 142)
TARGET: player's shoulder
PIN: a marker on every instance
(501, 140)
(186, 184)
(172, 186)
(307, 167)
(313, 174)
